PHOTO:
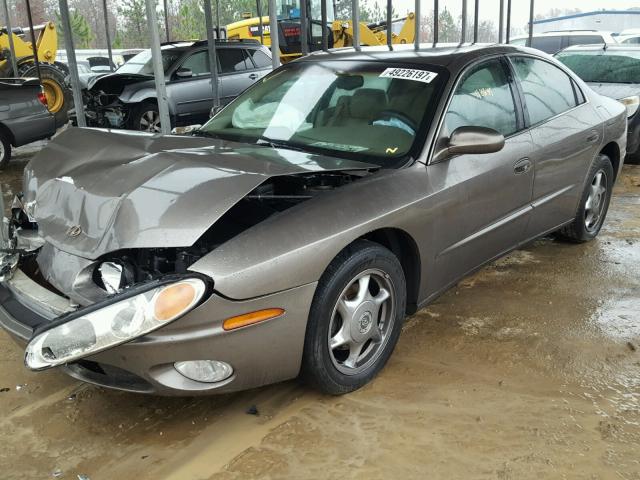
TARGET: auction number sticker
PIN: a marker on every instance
(423, 76)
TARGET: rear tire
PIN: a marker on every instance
(594, 203)
(355, 319)
(5, 150)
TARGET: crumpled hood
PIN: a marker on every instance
(615, 90)
(115, 82)
(97, 191)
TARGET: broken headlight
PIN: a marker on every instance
(112, 323)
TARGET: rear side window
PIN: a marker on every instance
(260, 59)
(548, 44)
(232, 60)
(585, 39)
(548, 91)
(632, 40)
(483, 99)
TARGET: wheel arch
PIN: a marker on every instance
(612, 151)
(405, 248)
(8, 133)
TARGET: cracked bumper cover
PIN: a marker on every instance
(260, 354)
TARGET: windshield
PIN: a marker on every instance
(604, 66)
(290, 9)
(141, 64)
(364, 110)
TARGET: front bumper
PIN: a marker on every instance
(260, 354)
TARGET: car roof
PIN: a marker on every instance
(446, 55)
(186, 45)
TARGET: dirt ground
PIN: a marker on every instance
(529, 369)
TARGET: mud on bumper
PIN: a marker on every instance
(260, 354)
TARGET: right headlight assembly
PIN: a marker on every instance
(112, 323)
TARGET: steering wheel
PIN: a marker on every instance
(403, 118)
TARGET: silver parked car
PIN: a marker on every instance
(300, 226)
(127, 98)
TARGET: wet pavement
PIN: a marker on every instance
(528, 369)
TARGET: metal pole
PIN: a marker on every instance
(273, 34)
(71, 60)
(14, 60)
(418, 34)
(158, 68)
(107, 34)
(436, 21)
(323, 20)
(304, 31)
(166, 20)
(260, 26)
(213, 58)
(476, 17)
(389, 23)
(501, 22)
(355, 23)
(531, 9)
(34, 47)
(508, 34)
(218, 33)
(463, 32)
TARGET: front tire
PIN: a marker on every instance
(5, 150)
(594, 203)
(355, 318)
(146, 118)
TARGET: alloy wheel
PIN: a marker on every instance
(361, 322)
(594, 206)
(150, 121)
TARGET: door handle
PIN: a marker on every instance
(593, 138)
(522, 166)
(253, 76)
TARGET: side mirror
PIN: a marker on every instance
(184, 73)
(471, 140)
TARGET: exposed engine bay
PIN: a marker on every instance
(124, 268)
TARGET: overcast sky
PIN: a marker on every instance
(520, 8)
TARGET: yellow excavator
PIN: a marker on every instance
(339, 32)
(52, 73)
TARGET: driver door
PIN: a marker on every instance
(485, 202)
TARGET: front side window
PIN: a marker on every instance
(604, 66)
(364, 110)
(483, 99)
(585, 39)
(198, 63)
(260, 59)
(548, 91)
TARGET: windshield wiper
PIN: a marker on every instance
(204, 133)
(278, 144)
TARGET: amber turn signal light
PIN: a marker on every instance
(251, 318)
(174, 300)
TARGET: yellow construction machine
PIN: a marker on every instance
(52, 73)
(339, 32)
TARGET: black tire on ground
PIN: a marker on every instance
(5, 150)
(146, 118)
(321, 365)
(594, 203)
(54, 74)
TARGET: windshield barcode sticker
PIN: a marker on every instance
(423, 76)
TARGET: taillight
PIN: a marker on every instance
(43, 98)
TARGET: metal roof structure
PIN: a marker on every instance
(212, 31)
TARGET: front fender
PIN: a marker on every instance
(295, 247)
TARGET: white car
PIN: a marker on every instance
(553, 42)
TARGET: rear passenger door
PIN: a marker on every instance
(487, 196)
(566, 133)
(237, 72)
